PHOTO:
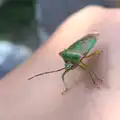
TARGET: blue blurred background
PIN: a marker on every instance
(27, 24)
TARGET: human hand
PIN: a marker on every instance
(41, 98)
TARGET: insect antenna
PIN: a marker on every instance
(46, 73)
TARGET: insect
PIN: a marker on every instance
(74, 55)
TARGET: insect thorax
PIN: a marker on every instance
(70, 56)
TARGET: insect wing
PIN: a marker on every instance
(84, 45)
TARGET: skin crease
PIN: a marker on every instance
(41, 99)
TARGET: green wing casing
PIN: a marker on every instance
(85, 44)
(79, 49)
(70, 56)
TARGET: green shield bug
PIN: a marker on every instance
(74, 55)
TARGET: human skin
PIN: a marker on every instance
(41, 99)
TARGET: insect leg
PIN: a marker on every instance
(63, 75)
(92, 78)
(97, 52)
(84, 67)
(97, 77)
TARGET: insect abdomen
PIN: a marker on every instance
(69, 56)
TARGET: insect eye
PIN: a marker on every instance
(85, 53)
(68, 65)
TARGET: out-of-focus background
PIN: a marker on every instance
(26, 24)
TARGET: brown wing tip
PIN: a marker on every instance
(95, 33)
